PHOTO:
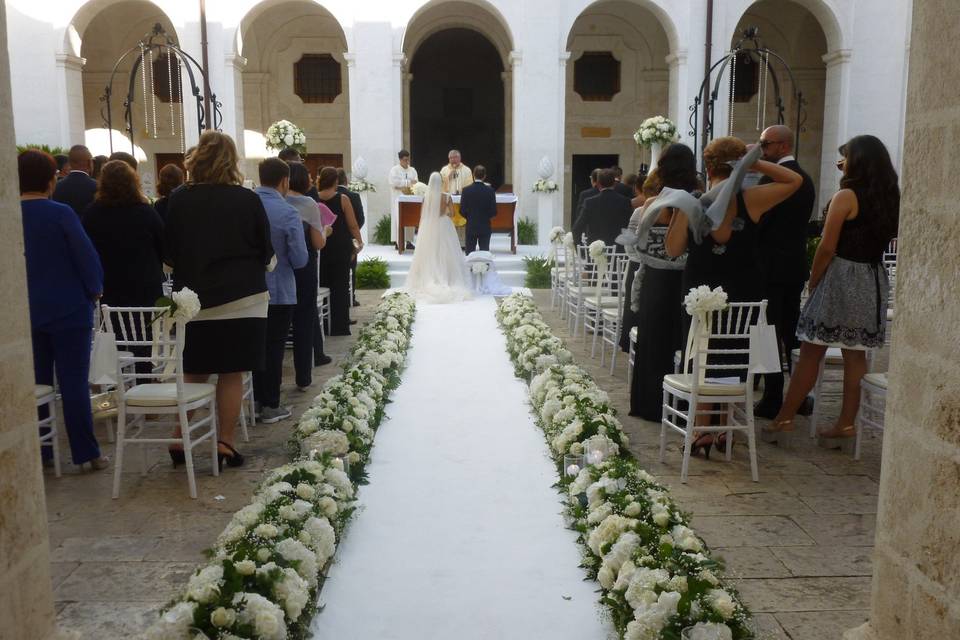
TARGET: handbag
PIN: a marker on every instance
(103, 359)
(764, 349)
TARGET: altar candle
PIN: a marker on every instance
(573, 470)
(595, 457)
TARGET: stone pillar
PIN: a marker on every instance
(916, 574)
(26, 600)
(70, 92)
(836, 98)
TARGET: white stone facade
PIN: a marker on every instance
(854, 81)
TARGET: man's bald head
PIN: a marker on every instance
(777, 142)
(80, 159)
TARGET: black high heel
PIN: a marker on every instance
(703, 442)
(232, 460)
(177, 457)
(720, 442)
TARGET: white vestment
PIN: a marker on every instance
(456, 180)
(399, 179)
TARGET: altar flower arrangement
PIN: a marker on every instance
(361, 186)
(182, 305)
(655, 573)
(283, 134)
(419, 189)
(656, 130)
(545, 186)
(265, 567)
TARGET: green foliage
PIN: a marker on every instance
(812, 244)
(42, 147)
(372, 274)
(538, 272)
(526, 231)
(381, 232)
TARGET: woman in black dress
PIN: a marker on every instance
(336, 256)
(728, 256)
(171, 177)
(659, 293)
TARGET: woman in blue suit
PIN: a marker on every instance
(64, 280)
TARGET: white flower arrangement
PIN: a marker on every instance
(655, 573)
(181, 306)
(419, 189)
(265, 568)
(556, 235)
(479, 268)
(545, 186)
(704, 300)
(361, 186)
(656, 130)
(283, 134)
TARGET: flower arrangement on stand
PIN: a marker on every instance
(655, 130)
(283, 133)
(267, 566)
(656, 575)
(419, 189)
(544, 186)
(361, 186)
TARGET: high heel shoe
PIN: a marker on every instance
(703, 442)
(720, 442)
(234, 459)
(837, 437)
(773, 431)
(177, 457)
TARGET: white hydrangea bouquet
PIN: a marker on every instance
(419, 189)
(703, 300)
(283, 133)
(655, 573)
(545, 186)
(181, 306)
(265, 568)
(361, 186)
(656, 130)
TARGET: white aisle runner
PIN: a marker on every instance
(460, 534)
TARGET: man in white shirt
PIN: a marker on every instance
(402, 177)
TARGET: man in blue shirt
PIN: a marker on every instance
(286, 234)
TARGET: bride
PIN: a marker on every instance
(438, 273)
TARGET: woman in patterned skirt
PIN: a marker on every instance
(847, 307)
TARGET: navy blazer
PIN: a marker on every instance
(478, 204)
(76, 190)
(63, 270)
(604, 216)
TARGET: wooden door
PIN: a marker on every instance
(317, 161)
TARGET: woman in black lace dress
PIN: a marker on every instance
(659, 294)
(847, 307)
(728, 256)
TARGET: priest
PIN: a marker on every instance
(456, 177)
(402, 178)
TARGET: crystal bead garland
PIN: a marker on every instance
(143, 75)
(153, 92)
(733, 82)
(173, 124)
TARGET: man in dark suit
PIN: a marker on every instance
(624, 190)
(783, 256)
(585, 194)
(604, 215)
(478, 204)
(357, 203)
(78, 189)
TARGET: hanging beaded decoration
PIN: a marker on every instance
(733, 82)
(183, 140)
(143, 76)
(153, 93)
(173, 124)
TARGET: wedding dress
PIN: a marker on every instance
(438, 273)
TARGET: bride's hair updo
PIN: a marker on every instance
(720, 152)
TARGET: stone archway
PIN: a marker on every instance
(458, 88)
(296, 69)
(631, 38)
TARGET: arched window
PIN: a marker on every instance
(596, 76)
(316, 78)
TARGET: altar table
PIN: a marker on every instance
(503, 222)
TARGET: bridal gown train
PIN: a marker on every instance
(438, 273)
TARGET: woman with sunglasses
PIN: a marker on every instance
(847, 307)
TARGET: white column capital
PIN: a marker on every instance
(350, 59)
(236, 61)
(837, 56)
(515, 58)
(564, 58)
(70, 61)
(678, 57)
(399, 60)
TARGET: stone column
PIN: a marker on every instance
(26, 600)
(70, 92)
(916, 574)
(836, 98)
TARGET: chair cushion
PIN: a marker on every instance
(611, 312)
(876, 379)
(42, 390)
(165, 394)
(684, 382)
(605, 301)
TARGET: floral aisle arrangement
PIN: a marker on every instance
(361, 186)
(283, 133)
(655, 130)
(656, 575)
(266, 567)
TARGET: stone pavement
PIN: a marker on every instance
(115, 563)
(798, 543)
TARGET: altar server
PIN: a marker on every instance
(402, 177)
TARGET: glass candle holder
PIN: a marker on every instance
(572, 464)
